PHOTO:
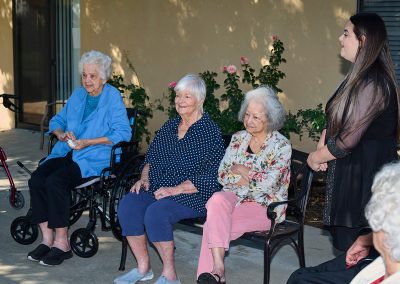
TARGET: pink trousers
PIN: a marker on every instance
(227, 222)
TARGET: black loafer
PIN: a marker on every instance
(38, 253)
(55, 257)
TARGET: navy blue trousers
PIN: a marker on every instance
(140, 213)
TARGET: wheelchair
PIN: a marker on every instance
(95, 195)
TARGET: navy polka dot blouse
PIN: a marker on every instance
(195, 157)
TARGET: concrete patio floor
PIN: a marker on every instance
(244, 264)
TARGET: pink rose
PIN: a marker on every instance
(225, 69)
(172, 85)
(244, 60)
(231, 69)
(274, 38)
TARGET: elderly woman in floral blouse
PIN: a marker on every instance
(254, 172)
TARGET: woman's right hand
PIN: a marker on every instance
(64, 136)
(69, 135)
(142, 183)
(321, 143)
(312, 163)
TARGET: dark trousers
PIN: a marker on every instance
(331, 272)
(344, 237)
(50, 188)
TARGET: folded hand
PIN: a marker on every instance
(164, 192)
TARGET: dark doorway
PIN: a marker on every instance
(33, 59)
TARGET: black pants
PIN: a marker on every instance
(344, 237)
(331, 272)
(50, 188)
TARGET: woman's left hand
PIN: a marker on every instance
(81, 143)
(240, 170)
(165, 192)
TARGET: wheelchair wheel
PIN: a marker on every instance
(126, 178)
(23, 231)
(84, 243)
(19, 200)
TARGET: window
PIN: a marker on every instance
(389, 10)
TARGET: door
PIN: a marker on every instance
(33, 59)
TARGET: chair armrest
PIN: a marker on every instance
(52, 141)
(271, 207)
(124, 144)
(271, 214)
(46, 114)
(303, 193)
(105, 170)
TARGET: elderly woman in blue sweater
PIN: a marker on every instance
(93, 120)
(179, 176)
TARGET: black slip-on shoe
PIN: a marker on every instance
(55, 257)
(38, 253)
(209, 278)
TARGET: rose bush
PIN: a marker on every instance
(310, 121)
(232, 97)
(224, 109)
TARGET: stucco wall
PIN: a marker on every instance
(6, 61)
(167, 39)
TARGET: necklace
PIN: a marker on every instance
(256, 143)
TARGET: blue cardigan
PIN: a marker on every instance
(109, 120)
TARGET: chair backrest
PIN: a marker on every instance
(132, 116)
(227, 139)
(44, 122)
(123, 151)
(300, 184)
(49, 110)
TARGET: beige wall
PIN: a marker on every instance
(167, 39)
(6, 61)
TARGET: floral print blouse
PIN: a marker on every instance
(269, 174)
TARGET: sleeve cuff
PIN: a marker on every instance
(113, 139)
(364, 231)
(335, 151)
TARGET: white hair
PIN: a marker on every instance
(97, 58)
(193, 85)
(273, 109)
(383, 210)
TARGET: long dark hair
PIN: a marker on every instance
(373, 65)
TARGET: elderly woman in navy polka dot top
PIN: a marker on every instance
(179, 176)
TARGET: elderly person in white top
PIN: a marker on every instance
(383, 214)
(254, 172)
